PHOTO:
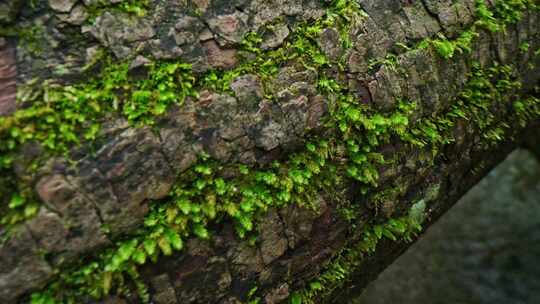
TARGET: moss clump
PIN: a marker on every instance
(61, 116)
(336, 274)
(475, 103)
(496, 19)
(135, 7)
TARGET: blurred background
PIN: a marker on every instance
(486, 249)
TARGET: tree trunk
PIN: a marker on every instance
(246, 151)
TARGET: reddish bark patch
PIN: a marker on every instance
(218, 57)
(8, 73)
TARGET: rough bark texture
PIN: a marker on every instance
(460, 177)
(112, 181)
(8, 75)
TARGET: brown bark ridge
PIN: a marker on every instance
(8, 75)
(112, 182)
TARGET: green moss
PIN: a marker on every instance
(202, 196)
(59, 115)
(134, 7)
(504, 12)
(485, 88)
(336, 274)
(31, 37)
(524, 47)
(446, 48)
(474, 104)
(62, 116)
(527, 109)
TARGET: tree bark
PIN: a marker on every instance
(532, 143)
(102, 192)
